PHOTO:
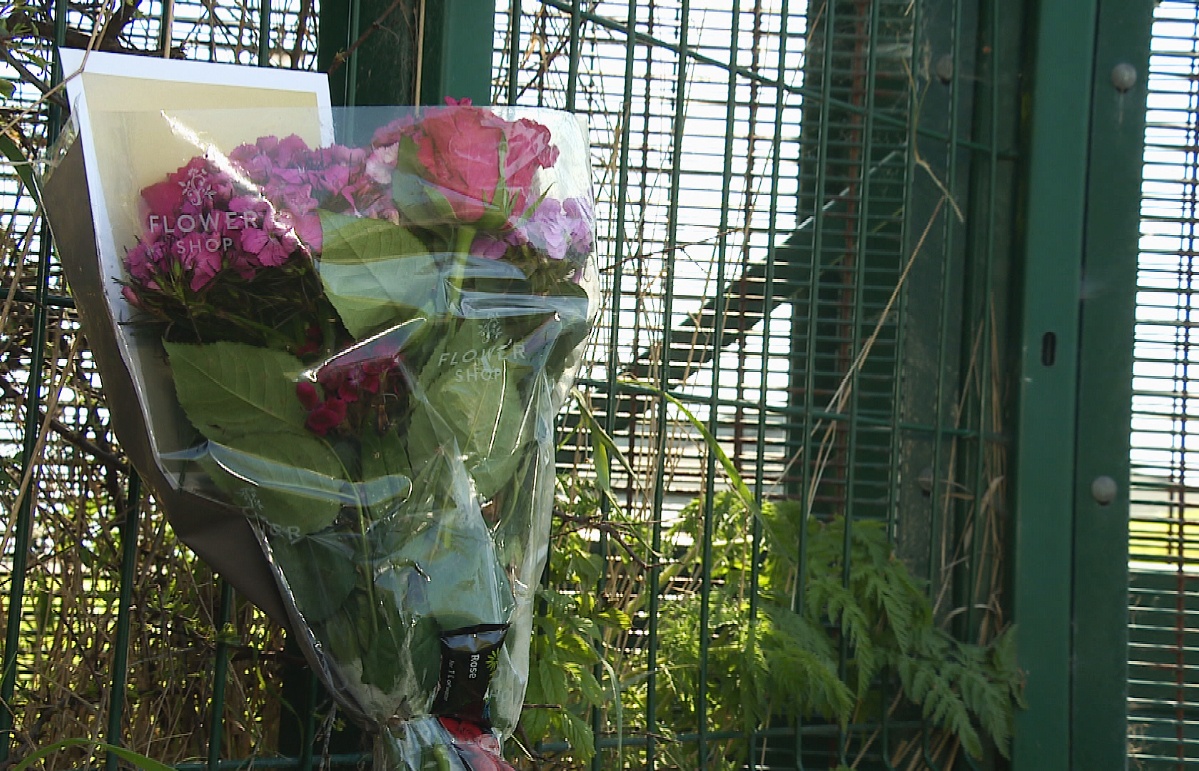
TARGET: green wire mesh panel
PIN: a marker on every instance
(803, 215)
(1164, 531)
(114, 632)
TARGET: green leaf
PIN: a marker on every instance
(473, 388)
(615, 617)
(603, 475)
(231, 390)
(338, 635)
(293, 481)
(425, 204)
(320, 573)
(129, 756)
(576, 649)
(535, 692)
(592, 691)
(553, 682)
(383, 652)
(20, 163)
(535, 721)
(438, 554)
(803, 661)
(377, 273)
(386, 471)
(242, 399)
(601, 441)
(710, 441)
(578, 734)
(418, 200)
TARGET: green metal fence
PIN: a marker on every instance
(818, 221)
(1164, 731)
(808, 250)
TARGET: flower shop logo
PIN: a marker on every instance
(481, 364)
(492, 330)
(254, 507)
(197, 189)
(213, 225)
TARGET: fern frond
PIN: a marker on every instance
(1004, 667)
(756, 685)
(987, 699)
(802, 662)
(945, 708)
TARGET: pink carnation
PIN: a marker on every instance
(559, 229)
(197, 227)
(327, 416)
(349, 382)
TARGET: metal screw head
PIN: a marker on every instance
(1104, 490)
(1124, 76)
(944, 69)
(925, 480)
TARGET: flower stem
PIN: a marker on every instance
(464, 236)
(463, 239)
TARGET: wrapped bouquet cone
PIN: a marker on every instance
(348, 347)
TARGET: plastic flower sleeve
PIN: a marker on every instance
(368, 343)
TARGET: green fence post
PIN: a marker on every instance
(1062, 41)
(382, 52)
(22, 517)
(370, 48)
(457, 51)
(1100, 712)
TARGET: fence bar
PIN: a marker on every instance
(120, 655)
(662, 425)
(618, 260)
(264, 33)
(772, 237)
(32, 431)
(1056, 167)
(220, 674)
(456, 54)
(1100, 714)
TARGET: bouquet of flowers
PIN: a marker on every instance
(372, 342)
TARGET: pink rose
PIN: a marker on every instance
(528, 150)
(473, 156)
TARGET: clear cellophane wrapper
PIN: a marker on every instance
(363, 346)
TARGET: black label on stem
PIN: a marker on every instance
(468, 658)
